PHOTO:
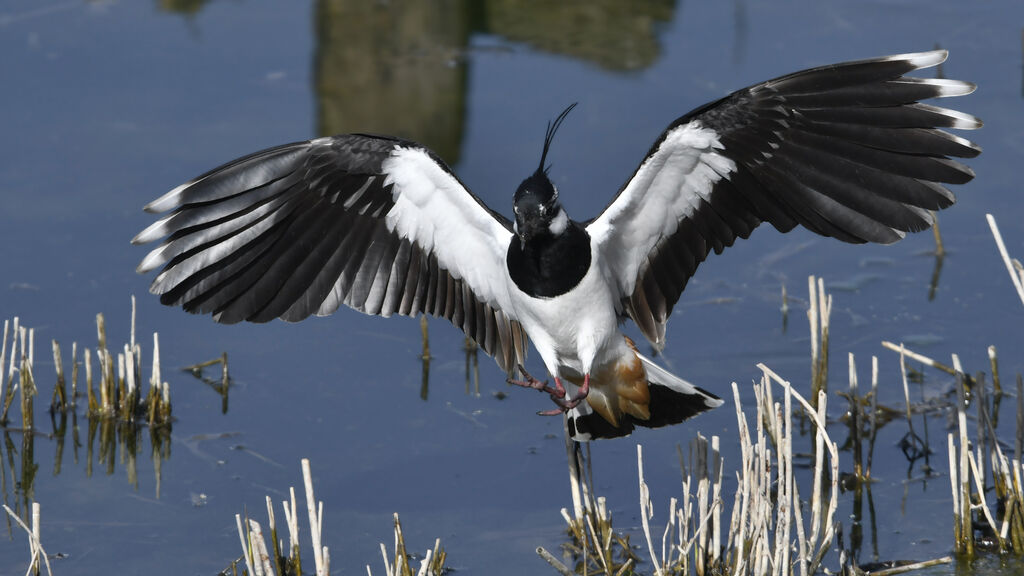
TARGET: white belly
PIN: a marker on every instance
(572, 330)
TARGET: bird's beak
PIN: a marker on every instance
(520, 231)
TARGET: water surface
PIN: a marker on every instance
(109, 104)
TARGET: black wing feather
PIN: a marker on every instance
(300, 229)
(845, 150)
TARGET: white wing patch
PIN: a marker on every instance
(433, 209)
(666, 188)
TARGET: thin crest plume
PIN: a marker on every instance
(549, 135)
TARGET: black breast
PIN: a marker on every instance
(549, 266)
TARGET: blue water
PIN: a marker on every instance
(109, 104)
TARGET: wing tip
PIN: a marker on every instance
(918, 60)
(958, 120)
(152, 232)
(169, 200)
(152, 261)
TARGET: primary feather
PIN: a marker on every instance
(845, 150)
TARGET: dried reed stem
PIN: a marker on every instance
(918, 357)
(911, 567)
(34, 542)
(1011, 266)
(315, 519)
(819, 314)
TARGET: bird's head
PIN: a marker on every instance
(537, 210)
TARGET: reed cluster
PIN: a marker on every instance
(283, 560)
(771, 529)
(115, 393)
(975, 527)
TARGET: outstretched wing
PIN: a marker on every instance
(379, 224)
(845, 150)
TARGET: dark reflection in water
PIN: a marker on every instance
(393, 68)
(612, 34)
(110, 443)
(399, 68)
(187, 7)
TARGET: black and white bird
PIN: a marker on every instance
(384, 226)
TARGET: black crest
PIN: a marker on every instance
(549, 135)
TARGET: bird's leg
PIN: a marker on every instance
(564, 405)
(530, 382)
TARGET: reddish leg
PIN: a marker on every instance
(530, 382)
(564, 405)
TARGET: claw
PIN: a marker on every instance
(564, 405)
(558, 391)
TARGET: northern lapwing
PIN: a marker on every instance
(384, 226)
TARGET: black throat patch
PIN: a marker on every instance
(549, 266)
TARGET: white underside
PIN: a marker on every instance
(578, 331)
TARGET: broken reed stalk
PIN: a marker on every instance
(316, 517)
(940, 249)
(26, 381)
(425, 355)
(819, 314)
(1018, 445)
(3, 354)
(900, 349)
(34, 542)
(59, 402)
(965, 545)
(994, 362)
(8, 397)
(1013, 266)
(855, 424)
(92, 403)
(873, 417)
(911, 567)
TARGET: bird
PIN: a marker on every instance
(383, 225)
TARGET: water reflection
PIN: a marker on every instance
(109, 443)
(612, 34)
(393, 68)
(399, 67)
(187, 7)
(471, 350)
(220, 384)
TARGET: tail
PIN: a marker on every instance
(672, 401)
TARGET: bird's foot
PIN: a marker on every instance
(566, 404)
(558, 391)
